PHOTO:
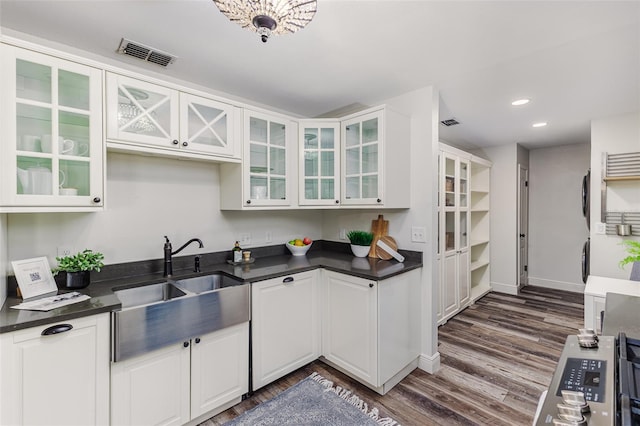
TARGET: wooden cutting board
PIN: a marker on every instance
(380, 252)
(379, 228)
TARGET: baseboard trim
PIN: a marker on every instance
(557, 285)
(505, 288)
(430, 364)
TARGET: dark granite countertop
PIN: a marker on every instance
(270, 262)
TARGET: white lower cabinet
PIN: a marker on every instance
(371, 329)
(174, 385)
(56, 374)
(285, 325)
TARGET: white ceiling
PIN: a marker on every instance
(575, 60)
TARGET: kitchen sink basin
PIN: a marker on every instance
(207, 283)
(138, 296)
(157, 315)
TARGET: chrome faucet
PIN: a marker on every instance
(168, 265)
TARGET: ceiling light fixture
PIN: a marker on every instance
(267, 17)
(519, 102)
(542, 124)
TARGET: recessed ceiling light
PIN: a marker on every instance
(519, 102)
(542, 124)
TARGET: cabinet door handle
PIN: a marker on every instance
(248, 201)
(197, 340)
(56, 329)
(185, 344)
(370, 285)
(175, 142)
(185, 143)
(337, 201)
(379, 200)
(288, 280)
(96, 199)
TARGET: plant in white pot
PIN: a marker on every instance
(79, 266)
(633, 250)
(360, 242)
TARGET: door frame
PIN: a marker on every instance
(522, 235)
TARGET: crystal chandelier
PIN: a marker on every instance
(268, 17)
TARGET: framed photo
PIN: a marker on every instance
(34, 277)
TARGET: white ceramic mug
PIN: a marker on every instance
(30, 143)
(68, 191)
(80, 149)
(259, 192)
(66, 146)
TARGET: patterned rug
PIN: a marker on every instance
(313, 401)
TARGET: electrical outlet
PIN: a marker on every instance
(244, 240)
(268, 237)
(64, 251)
(601, 228)
(343, 234)
(418, 234)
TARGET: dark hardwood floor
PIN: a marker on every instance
(497, 356)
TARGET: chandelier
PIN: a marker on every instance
(267, 17)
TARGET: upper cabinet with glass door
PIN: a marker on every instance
(319, 180)
(265, 162)
(167, 121)
(52, 125)
(376, 159)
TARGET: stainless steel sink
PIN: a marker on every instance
(158, 315)
(144, 295)
(207, 283)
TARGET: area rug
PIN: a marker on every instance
(313, 401)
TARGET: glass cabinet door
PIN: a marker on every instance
(54, 118)
(141, 112)
(319, 163)
(267, 160)
(205, 125)
(454, 192)
(362, 163)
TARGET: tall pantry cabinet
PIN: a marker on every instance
(463, 230)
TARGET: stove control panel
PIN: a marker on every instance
(582, 389)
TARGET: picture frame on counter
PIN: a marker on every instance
(34, 278)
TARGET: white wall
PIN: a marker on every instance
(148, 197)
(422, 106)
(619, 134)
(557, 228)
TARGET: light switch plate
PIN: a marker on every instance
(601, 228)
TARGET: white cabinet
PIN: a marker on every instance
(319, 163)
(151, 118)
(454, 234)
(52, 155)
(371, 330)
(285, 325)
(375, 152)
(268, 169)
(56, 379)
(176, 384)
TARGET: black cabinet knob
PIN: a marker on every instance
(197, 340)
(522, 235)
(96, 199)
(185, 344)
(370, 285)
(175, 142)
(185, 143)
(379, 200)
(337, 201)
(248, 201)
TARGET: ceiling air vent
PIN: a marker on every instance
(146, 53)
(450, 122)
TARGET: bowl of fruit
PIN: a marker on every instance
(299, 246)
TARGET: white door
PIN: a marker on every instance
(219, 368)
(523, 225)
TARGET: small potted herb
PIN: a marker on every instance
(360, 242)
(633, 250)
(79, 266)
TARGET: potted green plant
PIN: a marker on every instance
(79, 266)
(360, 242)
(633, 250)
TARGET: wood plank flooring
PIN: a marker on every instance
(497, 356)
